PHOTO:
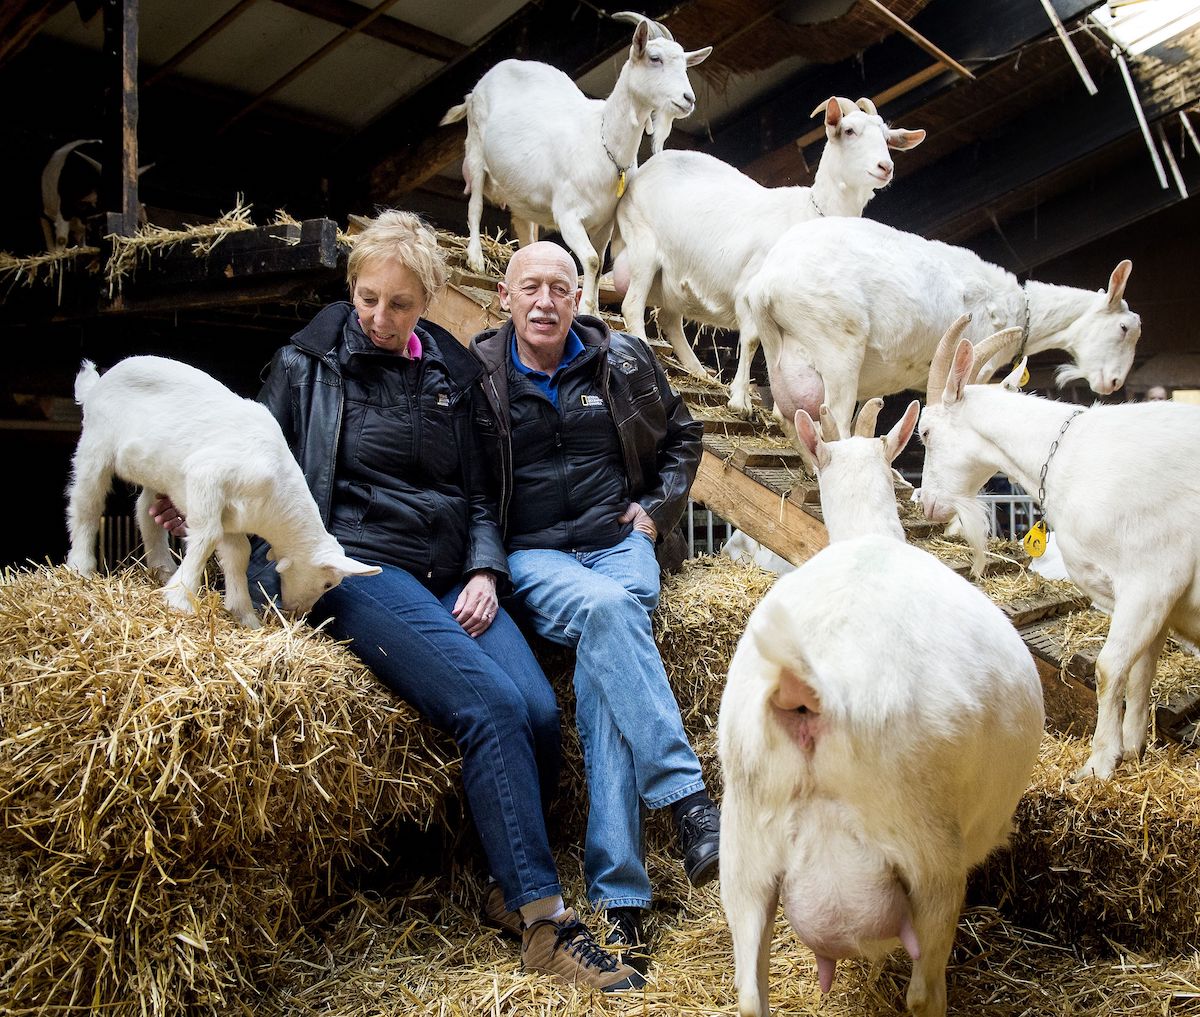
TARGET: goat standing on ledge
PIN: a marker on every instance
(1119, 486)
(223, 462)
(880, 723)
(555, 157)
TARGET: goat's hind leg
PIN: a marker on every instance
(1136, 722)
(233, 551)
(91, 477)
(750, 897)
(204, 502)
(935, 910)
(156, 542)
(475, 172)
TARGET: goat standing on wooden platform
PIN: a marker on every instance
(1119, 485)
(554, 157)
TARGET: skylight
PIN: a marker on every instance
(1137, 25)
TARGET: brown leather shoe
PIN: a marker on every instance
(563, 947)
(495, 912)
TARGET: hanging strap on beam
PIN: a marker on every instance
(940, 55)
(1072, 52)
(1141, 116)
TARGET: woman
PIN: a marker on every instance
(376, 404)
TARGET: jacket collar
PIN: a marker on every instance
(491, 347)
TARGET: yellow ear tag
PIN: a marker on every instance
(1022, 383)
(621, 184)
(1035, 540)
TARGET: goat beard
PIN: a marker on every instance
(1064, 374)
(972, 521)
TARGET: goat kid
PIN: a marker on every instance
(1122, 496)
(848, 309)
(879, 725)
(692, 229)
(554, 157)
(222, 460)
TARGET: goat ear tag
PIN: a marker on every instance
(1024, 381)
(1035, 540)
(621, 184)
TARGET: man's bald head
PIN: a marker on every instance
(542, 250)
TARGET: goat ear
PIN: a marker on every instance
(833, 112)
(901, 431)
(1116, 284)
(902, 140)
(283, 564)
(1012, 381)
(641, 35)
(343, 565)
(807, 440)
(697, 56)
(960, 371)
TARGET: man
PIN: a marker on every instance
(594, 454)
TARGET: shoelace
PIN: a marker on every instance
(575, 938)
(702, 821)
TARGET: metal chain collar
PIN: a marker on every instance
(1046, 464)
(1024, 328)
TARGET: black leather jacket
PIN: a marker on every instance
(431, 513)
(660, 443)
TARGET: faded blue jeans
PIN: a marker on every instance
(635, 750)
(489, 694)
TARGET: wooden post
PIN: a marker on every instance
(118, 178)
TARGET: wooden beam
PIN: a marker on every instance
(389, 30)
(223, 22)
(764, 515)
(394, 176)
(119, 175)
(20, 21)
(906, 29)
(339, 40)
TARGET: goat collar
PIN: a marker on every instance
(621, 170)
(813, 198)
(1050, 455)
(1025, 325)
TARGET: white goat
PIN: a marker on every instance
(848, 309)
(56, 227)
(742, 547)
(1121, 491)
(662, 119)
(555, 157)
(692, 229)
(879, 725)
(224, 463)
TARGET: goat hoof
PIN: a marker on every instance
(1093, 769)
(179, 599)
(249, 619)
(84, 564)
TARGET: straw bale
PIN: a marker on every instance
(129, 731)
(1101, 862)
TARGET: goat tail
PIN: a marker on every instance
(455, 113)
(85, 380)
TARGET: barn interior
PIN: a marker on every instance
(1061, 139)
(1054, 149)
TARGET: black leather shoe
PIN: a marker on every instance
(629, 936)
(700, 842)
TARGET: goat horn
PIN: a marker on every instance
(939, 370)
(867, 106)
(657, 30)
(868, 413)
(829, 427)
(987, 348)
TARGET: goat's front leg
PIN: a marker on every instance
(91, 477)
(155, 541)
(750, 897)
(577, 239)
(1137, 623)
(1136, 723)
(204, 500)
(739, 390)
(525, 230)
(233, 551)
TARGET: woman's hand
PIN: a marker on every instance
(164, 512)
(476, 606)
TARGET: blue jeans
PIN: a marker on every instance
(489, 694)
(635, 751)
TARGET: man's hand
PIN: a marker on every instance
(164, 512)
(476, 606)
(641, 521)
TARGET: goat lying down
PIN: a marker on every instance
(225, 464)
(1121, 491)
(879, 725)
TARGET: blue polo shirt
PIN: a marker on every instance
(548, 384)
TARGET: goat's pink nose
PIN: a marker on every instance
(886, 166)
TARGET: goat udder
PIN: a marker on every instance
(796, 385)
(621, 275)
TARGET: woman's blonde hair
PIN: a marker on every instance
(409, 240)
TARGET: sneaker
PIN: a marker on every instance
(563, 947)
(495, 911)
(628, 936)
(700, 841)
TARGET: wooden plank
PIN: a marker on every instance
(745, 457)
(771, 520)
(1070, 706)
(459, 311)
(390, 30)
(1027, 610)
(119, 174)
